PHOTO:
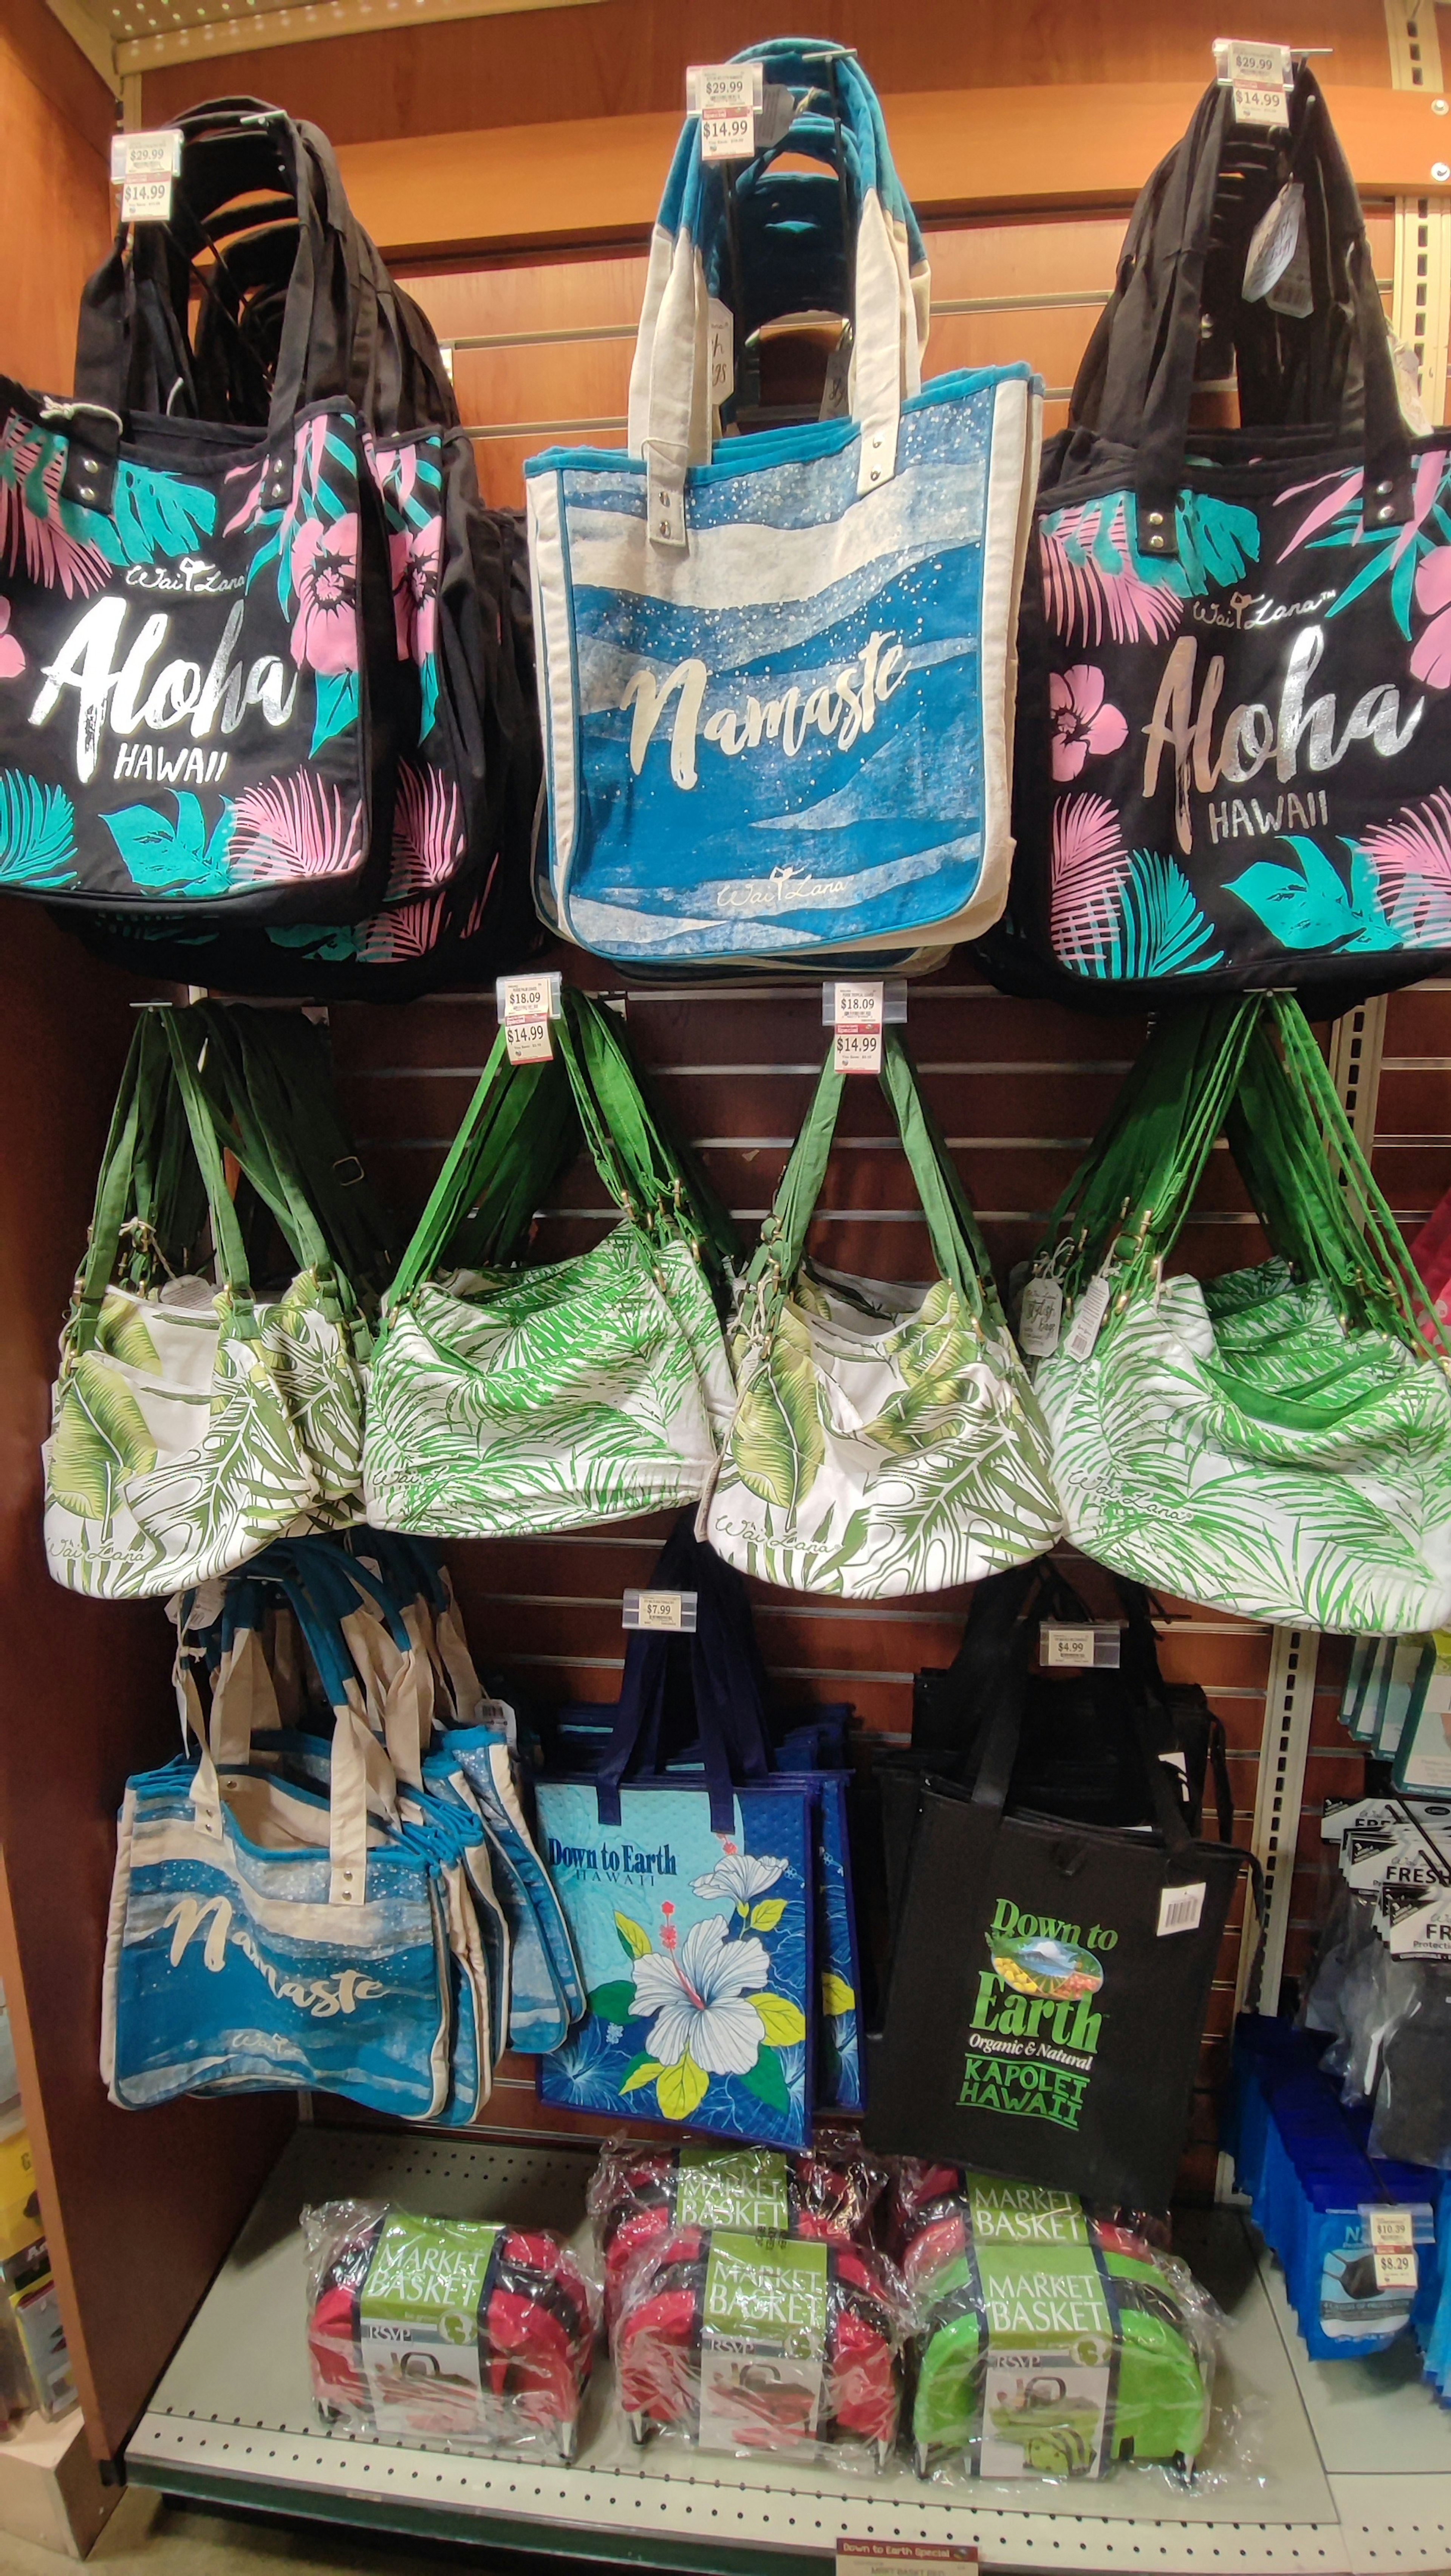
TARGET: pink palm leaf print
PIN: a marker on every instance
(428, 833)
(1085, 598)
(405, 930)
(51, 555)
(1411, 856)
(294, 827)
(1089, 865)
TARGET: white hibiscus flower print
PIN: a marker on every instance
(696, 1993)
(739, 1877)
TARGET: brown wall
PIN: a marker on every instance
(627, 56)
(140, 2208)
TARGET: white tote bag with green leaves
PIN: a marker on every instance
(885, 1439)
(191, 1422)
(505, 1402)
(1276, 1442)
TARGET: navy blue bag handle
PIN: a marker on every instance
(726, 1680)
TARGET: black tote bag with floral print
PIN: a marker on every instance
(1234, 714)
(199, 693)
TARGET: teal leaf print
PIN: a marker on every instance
(337, 705)
(173, 857)
(428, 680)
(1218, 541)
(1161, 929)
(1312, 906)
(37, 833)
(155, 514)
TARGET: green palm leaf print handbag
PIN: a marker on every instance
(885, 1439)
(506, 1400)
(1276, 1442)
(194, 1421)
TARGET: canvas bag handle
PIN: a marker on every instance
(1139, 392)
(782, 1244)
(669, 418)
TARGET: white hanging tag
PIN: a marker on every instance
(1088, 1320)
(836, 385)
(1180, 1908)
(1041, 1319)
(1274, 241)
(1294, 291)
(1095, 1648)
(1261, 77)
(145, 168)
(727, 97)
(526, 1005)
(666, 1612)
(722, 352)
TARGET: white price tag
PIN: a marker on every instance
(1396, 2267)
(1273, 242)
(722, 352)
(1180, 1908)
(1261, 77)
(145, 167)
(669, 1613)
(1041, 1319)
(858, 1011)
(1082, 1649)
(526, 1005)
(727, 97)
(1390, 2226)
(1088, 1321)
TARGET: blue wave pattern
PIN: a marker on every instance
(779, 731)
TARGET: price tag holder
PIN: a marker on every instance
(899, 2557)
(857, 1013)
(145, 167)
(1261, 76)
(728, 98)
(1080, 1649)
(668, 1613)
(526, 1005)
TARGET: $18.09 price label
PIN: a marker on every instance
(526, 1006)
(857, 1015)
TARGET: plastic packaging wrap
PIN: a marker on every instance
(639, 2196)
(791, 2345)
(470, 2334)
(1050, 2342)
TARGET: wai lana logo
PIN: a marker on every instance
(706, 1994)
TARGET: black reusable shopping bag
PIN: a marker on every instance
(1233, 726)
(1049, 1983)
(199, 676)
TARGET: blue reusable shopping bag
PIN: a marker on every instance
(689, 1879)
(777, 671)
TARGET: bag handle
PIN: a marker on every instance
(1151, 333)
(961, 1257)
(669, 407)
(729, 1715)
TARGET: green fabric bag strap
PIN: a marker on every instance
(662, 1184)
(501, 1130)
(352, 1217)
(249, 1114)
(115, 1183)
(957, 1248)
(226, 1231)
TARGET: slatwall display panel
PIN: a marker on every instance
(1019, 1087)
(1036, 287)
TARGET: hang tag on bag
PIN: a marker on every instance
(668, 1613)
(1087, 1323)
(1276, 240)
(722, 352)
(727, 97)
(145, 167)
(857, 1021)
(1181, 1908)
(526, 1005)
(1261, 77)
(1041, 1321)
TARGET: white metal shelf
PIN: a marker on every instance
(233, 2421)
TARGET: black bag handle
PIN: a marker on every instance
(1137, 378)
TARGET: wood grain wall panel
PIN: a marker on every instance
(630, 56)
(139, 2211)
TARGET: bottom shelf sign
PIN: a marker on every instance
(880, 2557)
